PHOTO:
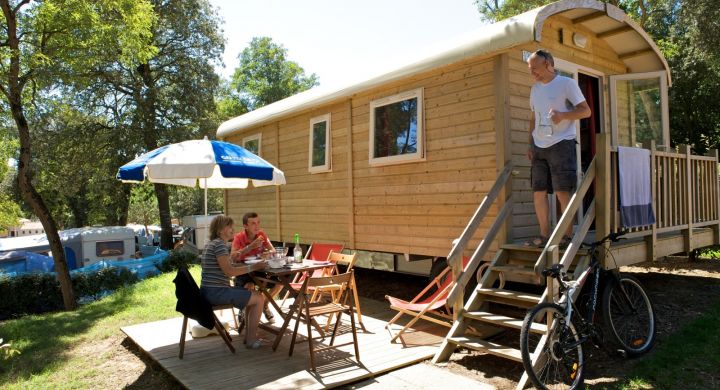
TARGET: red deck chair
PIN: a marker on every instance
(426, 304)
(317, 252)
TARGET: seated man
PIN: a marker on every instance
(252, 241)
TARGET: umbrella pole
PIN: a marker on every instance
(206, 196)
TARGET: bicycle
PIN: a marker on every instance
(626, 313)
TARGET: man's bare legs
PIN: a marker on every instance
(542, 210)
(564, 199)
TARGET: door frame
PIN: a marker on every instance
(575, 69)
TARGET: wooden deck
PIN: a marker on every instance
(208, 363)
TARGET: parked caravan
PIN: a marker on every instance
(399, 163)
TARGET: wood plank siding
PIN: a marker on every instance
(416, 207)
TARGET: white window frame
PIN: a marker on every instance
(402, 158)
(664, 105)
(327, 167)
(253, 137)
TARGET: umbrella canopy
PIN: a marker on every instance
(204, 163)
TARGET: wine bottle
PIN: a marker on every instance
(297, 251)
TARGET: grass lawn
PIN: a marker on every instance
(689, 359)
(72, 349)
(83, 349)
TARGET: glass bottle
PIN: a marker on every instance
(297, 251)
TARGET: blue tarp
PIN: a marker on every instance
(147, 266)
(36, 263)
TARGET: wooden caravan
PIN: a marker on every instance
(399, 163)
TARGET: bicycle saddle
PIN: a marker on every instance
(553, 271)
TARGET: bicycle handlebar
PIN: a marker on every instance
(613, 236)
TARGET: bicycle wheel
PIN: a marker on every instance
(559, 364)
(628, 317)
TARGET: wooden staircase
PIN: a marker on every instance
(511, 282)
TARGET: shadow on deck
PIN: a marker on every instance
(208, 364)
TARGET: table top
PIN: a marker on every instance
(307, 265)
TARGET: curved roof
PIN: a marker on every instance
(632, 44)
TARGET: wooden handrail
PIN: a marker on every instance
(455, 256)
(567, 218)
(476, 257)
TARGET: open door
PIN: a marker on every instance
(590, 82)
(639, 109)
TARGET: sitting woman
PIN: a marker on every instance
(216, 272)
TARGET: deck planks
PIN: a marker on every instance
(209, 364)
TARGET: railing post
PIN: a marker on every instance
(553, 257)
(690, 191)
(651, 240)
(716, 192)
(457, 270)
(603, 181)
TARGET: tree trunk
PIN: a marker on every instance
(163, 198)
(150, 132)
(14, 95)
(33, 199)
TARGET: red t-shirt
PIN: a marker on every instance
(241, 240)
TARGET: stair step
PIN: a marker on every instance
(487, 346)
(508, 322)
(510, 297)
(515, 269)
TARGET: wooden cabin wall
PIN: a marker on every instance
(556, 38)
(420, 207)
(416, 207)
(316, 206)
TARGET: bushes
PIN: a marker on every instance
(176, 259)
(39, 293)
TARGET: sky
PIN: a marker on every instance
(341, 40)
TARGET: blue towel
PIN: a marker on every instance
(635, 194)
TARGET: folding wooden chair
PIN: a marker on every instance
(333, 290)
(427, 304)
(193, 305)
(318, 252)
(307, 310)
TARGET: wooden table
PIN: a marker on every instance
(285, 276)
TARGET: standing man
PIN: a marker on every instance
(556, 103)
(252, 241)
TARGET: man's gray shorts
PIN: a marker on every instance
(554, 168)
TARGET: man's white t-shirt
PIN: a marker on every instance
(561, 94)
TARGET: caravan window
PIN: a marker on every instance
(320, 153)
(109, 248)
(252, 143)
(396, 128)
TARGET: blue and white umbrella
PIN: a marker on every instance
(204, 163)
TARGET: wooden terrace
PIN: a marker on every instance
(208, 364)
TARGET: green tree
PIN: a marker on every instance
(265, 75)
(79, 154)
(50, 41)
(229, 103)
(191, 201)
(170, 97)
(143, 206)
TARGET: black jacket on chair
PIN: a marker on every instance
(190, 302)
